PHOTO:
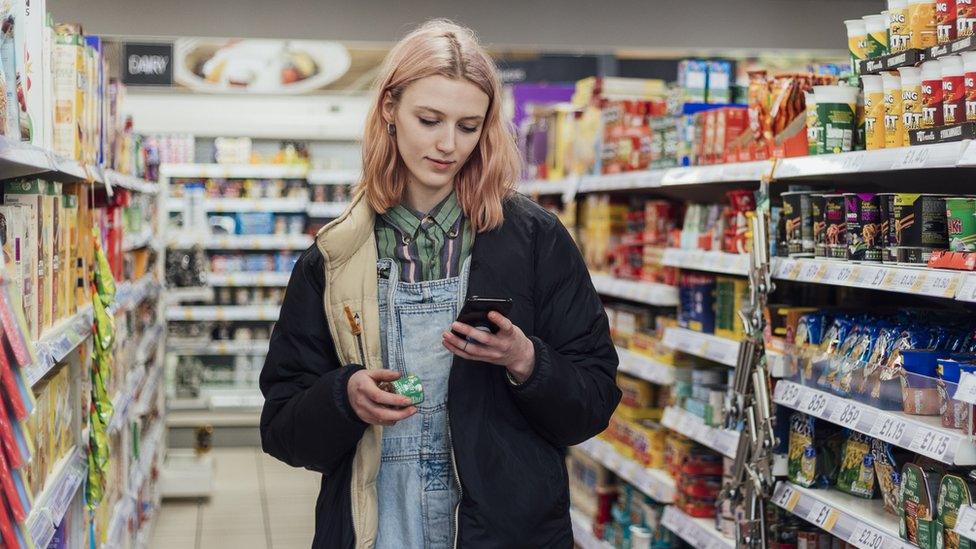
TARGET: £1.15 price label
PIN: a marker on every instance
(889, 428)
(933, 444)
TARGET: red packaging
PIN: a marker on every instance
(17, 509)
(8, 441)
(970, 95)
(11, 388)
(931, 103)
(953, 99)
(945, 21)
(965, 17)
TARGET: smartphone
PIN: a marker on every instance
(476, 309)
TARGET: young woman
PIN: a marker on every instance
(480, 462)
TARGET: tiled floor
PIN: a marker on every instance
(258, 503)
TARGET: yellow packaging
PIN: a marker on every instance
(637, 393)
(51, 191)
(921, 24)
(69, 72)
(857, 39)
(58, 304)
(893, 121)
(82, 253)
(69, 206)
(898, 30)
(874, 112)
(911, 97)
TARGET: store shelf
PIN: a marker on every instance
(115, 179)
(131, 242)
(118, 525)
(921, 434)
(333, 177)
(722, 441)
(147, 393)
(238, 406)
(244, 205)
(545, 188)
(644, 367)
(699, 532)
(122, 402)
(52, 504)
(861, 522)
(152, 442)
(57, 342)
(220, 312)
(234, 171)
(714, 262)
(209, 348)
(653, 482)
(648, 293)
(249, 279)
(326, 209)
(189, 293)
(241, 242)
(966, 522)
(647, 179)
(128, 295)
(909, 280)
(583, 532)
(721, 350)
(780, 365)
(920, 157)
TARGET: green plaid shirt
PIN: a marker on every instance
(425, 247)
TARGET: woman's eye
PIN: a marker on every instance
(428, 122)
(469, 129)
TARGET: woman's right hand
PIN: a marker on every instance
(374, 405)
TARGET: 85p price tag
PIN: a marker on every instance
(847, 415)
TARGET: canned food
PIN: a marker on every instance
(920, 226)
(836, 226)
(799, 223)
(886, 203)
(863, 216)
(817, 207)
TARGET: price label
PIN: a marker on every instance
(913, 159)
(839, 274)
(220, 314)
(966, 523)
(851, 162)
(968, 290)
(866, 537)
(871, 277)
(814, 403)
(787, 497)
(188, 314)
(795, 270)
(847, 415)
(940, 284)
(931, 443)
(823, 516)
(791, 394)
(809, 271)
(889, 428)
(902, 280)
(713, 351)
(966, 390)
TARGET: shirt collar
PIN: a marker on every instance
(410, 222)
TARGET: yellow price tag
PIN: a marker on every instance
(795, 271)
(221, 314)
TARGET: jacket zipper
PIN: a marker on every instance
(457, 480)
(355, 323)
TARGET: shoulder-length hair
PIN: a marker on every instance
(442, 48)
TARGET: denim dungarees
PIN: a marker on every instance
(416, 484)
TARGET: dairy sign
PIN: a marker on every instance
(147, 64)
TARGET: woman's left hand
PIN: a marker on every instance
(509, 347)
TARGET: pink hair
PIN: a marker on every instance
(442, 48)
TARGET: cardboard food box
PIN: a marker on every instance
(30, 194)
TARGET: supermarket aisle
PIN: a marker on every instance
(258, 503)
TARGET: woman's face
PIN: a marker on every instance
(438, 124)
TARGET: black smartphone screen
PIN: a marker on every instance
(476, 309)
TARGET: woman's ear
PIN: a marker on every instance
(389, 108)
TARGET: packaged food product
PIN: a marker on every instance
(835, 219)
(920, 395)
(814, 128)
(876, 27)
(857, 37)
(894, 110)
(874, 112)
(836, 110)
(888, 472)
(802, 463)
(408, 386)
(798, 218)
(954, 492)
(932, 108)
(969, 83)
(953, 89)
(920, 226)
(898, 29)
(863, 214)
(965, 17)
(856, 476)
(911, 98)
(961, 223)
(731, 293)
(921, 24)
(919, 488)
(945, 21)
(955, 413)
(817, 206)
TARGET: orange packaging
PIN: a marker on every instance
(921, 24)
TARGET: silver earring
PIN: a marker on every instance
(391, 129)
